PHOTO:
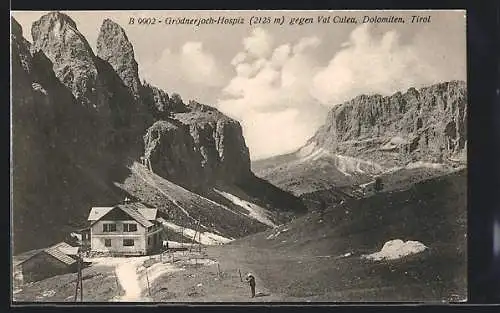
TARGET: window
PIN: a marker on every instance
(107, 242)
(106, 228)
(128, 242)
(129, 227)
(149, 240)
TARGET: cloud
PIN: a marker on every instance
(259, 44)
(192, 64)
(280, 55)
(306, 42)
(270, 94)
(238, 58)
(198, 65)
(368, 64)
(260, 129)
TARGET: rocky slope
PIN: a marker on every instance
(82, 121)
(370, 135)
(198, 147)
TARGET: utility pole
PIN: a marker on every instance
(194, 237)
(79, 280)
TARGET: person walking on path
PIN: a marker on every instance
(251, 281)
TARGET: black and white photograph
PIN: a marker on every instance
(238, 156)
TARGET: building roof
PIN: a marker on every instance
(66, 248)
(61, 256)
(96, 213)
(135, 214)
(60, 251)
(149, 214)
(138, 211)
(62, 244)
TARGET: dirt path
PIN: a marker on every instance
(129, 280)
(128, 276)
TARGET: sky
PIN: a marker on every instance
(280, 81)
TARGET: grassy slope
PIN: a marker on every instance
(295, 264)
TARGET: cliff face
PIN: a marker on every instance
(429, 124)
(197, 147)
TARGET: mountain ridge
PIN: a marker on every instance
(372, 134)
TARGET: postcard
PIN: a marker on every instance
(238, 156)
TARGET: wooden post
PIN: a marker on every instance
(241, 278)
(77, 285)
(117, 283)
(147, 280)
(182, 240)
(194, 236)
(218, 269)
(78, 278)
(80, 260)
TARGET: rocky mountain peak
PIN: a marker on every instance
(114, 47)
(56, 18)
(57, 36)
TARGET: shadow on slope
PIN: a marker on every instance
(268, 195)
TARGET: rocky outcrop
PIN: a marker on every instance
(198, 147)
(57, 36)
(429, 124)
(160, 104)
(114, 47)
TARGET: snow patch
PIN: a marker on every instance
(205, 238)
(276, 234)
(349, 165)
(421, 164)
(256, 212)
(46, 293)
(396, 249)
(201, 261)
